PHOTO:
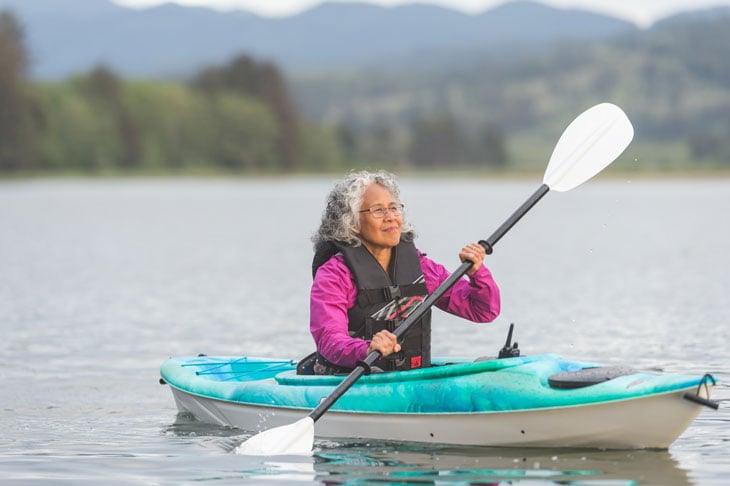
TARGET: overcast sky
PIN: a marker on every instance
(642, 12)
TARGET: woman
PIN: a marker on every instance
(369, 276)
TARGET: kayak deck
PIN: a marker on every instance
(520, 383)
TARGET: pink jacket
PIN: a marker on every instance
(334, 292)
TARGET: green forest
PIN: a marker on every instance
(248, 117)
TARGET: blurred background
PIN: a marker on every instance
(142, 87)
(108, 266)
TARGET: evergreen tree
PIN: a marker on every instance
(106, 91)
(20, 115)
(263, 81)
(437, 141)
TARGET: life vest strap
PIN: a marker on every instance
(388, 294)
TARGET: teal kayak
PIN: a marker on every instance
(536, 401)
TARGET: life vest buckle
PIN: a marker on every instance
(392, 293)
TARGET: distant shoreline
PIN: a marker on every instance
(445, 173)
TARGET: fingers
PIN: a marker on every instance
(385, 342)
(475, 253)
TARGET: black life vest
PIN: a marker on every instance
(386, 299)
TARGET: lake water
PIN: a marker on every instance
(100, 281)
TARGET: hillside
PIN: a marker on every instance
(173, 41)
(672, 79)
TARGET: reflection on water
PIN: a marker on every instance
(186, 425)
(428, 465)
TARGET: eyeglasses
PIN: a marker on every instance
(378, 212)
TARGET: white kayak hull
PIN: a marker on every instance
(653, 421)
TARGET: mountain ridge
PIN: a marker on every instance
(170, 40)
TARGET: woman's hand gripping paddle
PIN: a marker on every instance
(590, 143)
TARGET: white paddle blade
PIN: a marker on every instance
(590, 143)
(292, 439)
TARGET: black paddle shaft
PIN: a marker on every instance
(488, 245)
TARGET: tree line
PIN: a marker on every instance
(673, 80)
(240, 117)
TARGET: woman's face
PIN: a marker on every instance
(378, 234)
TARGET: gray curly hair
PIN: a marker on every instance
(341, 217)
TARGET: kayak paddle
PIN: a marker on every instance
(590, 143)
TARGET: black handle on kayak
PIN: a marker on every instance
(699, 399)
(702, 401)
(363, 367)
